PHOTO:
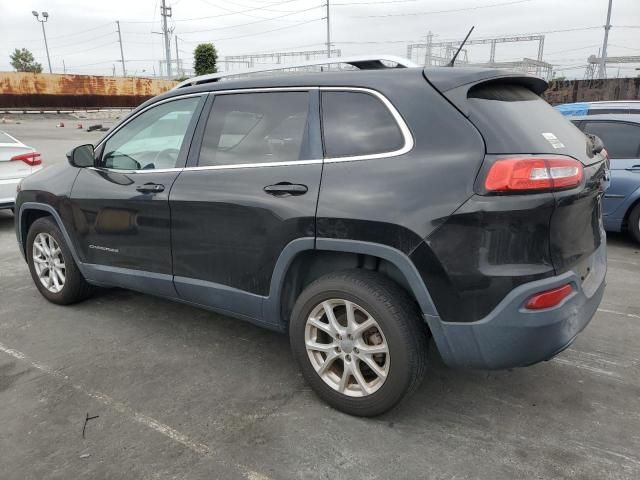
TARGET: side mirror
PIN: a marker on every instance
(82, 156)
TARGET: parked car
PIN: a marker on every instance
(621, 137)
(363, 212)
(599, 108)
(17, 161)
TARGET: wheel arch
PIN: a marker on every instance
(31, 211)
(304, 260)
(635, 201)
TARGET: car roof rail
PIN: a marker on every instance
(362, 62)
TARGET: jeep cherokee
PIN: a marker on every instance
(367, 213)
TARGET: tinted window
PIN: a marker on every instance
(256, 128)
(153, 139)
(357, 123)
(513, 119)
(622, 140)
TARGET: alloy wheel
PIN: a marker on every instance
(347, 347)
(49, 262)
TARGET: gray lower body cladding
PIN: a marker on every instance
(512, 336)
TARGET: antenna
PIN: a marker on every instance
(453, 60)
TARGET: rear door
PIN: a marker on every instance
(120, 208)
(622, 141)
(251, 187)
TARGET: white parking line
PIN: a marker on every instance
(630, 315)
(124, 409)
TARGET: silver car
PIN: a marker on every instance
(17, 161)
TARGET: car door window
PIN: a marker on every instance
(153, 139)
(356, 123)
(252, 128)
(622, 140)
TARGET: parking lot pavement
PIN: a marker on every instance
(53, 142)
(184, 393)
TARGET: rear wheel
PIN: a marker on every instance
(51, 264)
(634, 223)
(359, 340)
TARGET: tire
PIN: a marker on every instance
(74, 287)
(399, 328)
(634, 223)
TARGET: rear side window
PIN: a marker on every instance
(622, 140)
(256, 128)
(356, 123)
(513, 119)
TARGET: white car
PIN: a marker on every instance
(17, 161)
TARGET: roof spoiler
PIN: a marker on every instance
(454, 84)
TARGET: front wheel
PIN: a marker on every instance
(359, 340)
(51, 264)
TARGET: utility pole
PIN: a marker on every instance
(177, 58)
(124, 70)
(165, 12)
(602, 73)
(328, 32)
(45, 16)
(64, 67)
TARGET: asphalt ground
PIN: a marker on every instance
(181, 393)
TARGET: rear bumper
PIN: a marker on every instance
(511, 336)
(8, 192)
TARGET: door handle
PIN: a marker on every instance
(634, 168)
(286, 188)
(150, 188)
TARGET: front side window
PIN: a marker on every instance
(356, 123)
(248, 128)
(622, 140)
(153, 139)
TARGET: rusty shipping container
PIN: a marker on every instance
(51, 91)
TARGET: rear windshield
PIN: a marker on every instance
(513, 119)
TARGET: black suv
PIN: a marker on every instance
(363, 212)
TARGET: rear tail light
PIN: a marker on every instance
(32, 158)
(533, 173)
(549, 298)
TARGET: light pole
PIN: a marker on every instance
(45, 16)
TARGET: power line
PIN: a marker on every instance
(251, 23)
(230, 13)
(81, 31)
(434, 12)
(367, 42)
(257, 33)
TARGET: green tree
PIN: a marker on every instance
(204, 59)
(22, 60)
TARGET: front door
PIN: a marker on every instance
(250, 188)
(622, 141)
(120, 208)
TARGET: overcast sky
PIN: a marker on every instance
(82, 33)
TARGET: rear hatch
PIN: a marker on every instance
(515, 122)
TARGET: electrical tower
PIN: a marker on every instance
(594, 64)
(440, 53)
(276, 58)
